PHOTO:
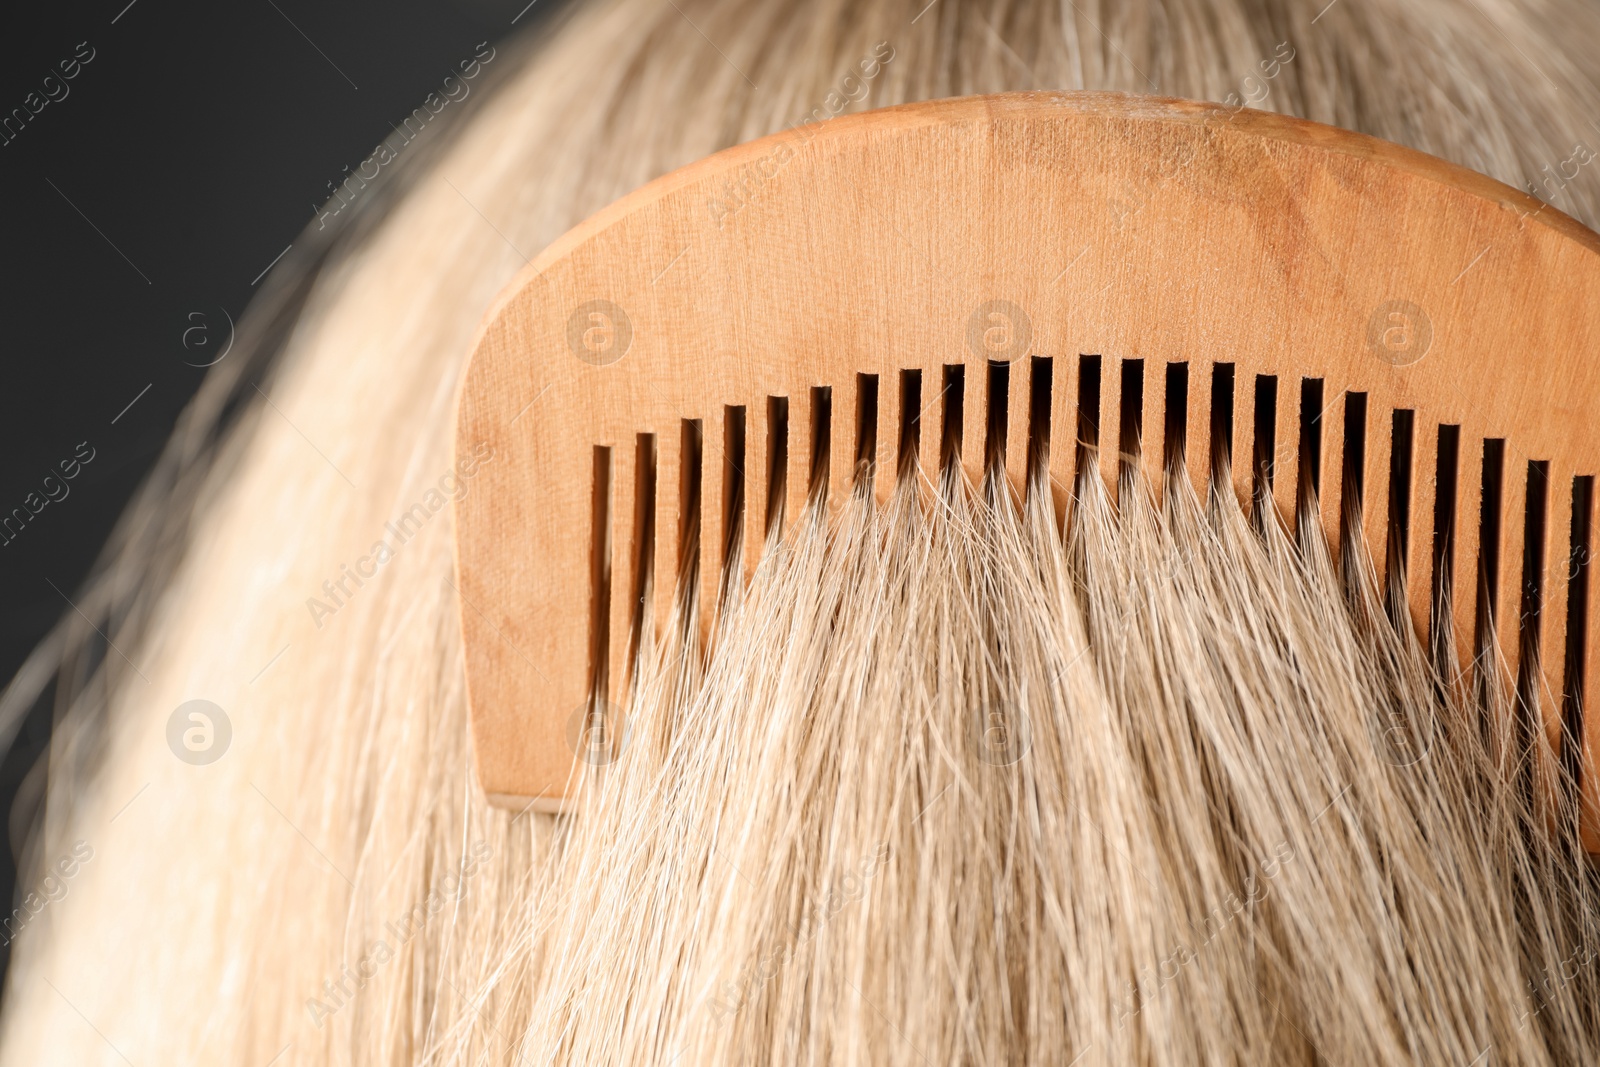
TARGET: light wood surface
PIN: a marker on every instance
(1127, 228)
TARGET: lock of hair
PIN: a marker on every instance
(1371, 345)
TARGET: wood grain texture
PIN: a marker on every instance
(1126, 227)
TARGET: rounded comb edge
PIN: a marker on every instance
(1141, 231)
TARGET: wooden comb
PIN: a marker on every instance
(1368, 331)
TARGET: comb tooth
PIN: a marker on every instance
(716, 461)
(1508, 608)
(1375, 487)
(626, 489)
(1152, 443)
(1019, 390)
(1464, 583)
(1553, 613)
(891, 425)
(1242, 469)
(668, 525)
(937, 388)
(1285, 450)
(600, 556)
(1196, 426)
(843, 441)
(1445, 540)
(760, 451)
(1419, 545)
(1309, 461)
(1061, 462)
(802, 418)
(1110, 459)
(975, 420)
(1586, 664)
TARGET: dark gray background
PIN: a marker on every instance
(185, 157)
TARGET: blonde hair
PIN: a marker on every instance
(1193, 844)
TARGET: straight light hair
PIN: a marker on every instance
(1198, 839)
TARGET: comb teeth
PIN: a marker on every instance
(1467, 534)
(1387, 349)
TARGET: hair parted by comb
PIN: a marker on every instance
(950, 784)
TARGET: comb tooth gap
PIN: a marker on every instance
(910, 421)
(1221, 443)
(1175, 421)
(777, 458)
(954, 402)
(1577, 630)
(1531, 602)
(1308, 465)
(1041, 371)
(1398, 538)
(1489, 516)
(644, 542)
(821, 440)
(690, 479)
(1130, 422)
(599, 578)
(734, 489)
(1264, 449)
(1441, 591)
(1352, 486)
(1088, 447)
(996, 420)
(866, 425)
